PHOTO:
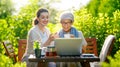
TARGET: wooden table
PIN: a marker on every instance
(42, 62)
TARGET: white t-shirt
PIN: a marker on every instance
(83, 40)
(36, 34)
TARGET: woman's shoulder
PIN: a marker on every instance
(33, 29)
(80, 32)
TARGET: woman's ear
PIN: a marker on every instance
(37, 18)
(72, 23)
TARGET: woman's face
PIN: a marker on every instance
(44, 18)
(66, 25)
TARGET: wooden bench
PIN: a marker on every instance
(91, 46)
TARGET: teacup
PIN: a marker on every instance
(67, 36)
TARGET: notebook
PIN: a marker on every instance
(68, 46)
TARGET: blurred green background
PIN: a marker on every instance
(98, 18)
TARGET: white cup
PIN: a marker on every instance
(66, 35)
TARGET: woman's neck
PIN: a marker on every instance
(67, 31)
(41, 27)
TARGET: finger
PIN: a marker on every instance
(50, 35)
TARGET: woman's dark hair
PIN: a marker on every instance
(41, 10)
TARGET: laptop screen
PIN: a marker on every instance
(68, 46)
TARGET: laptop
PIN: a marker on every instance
(68, 46)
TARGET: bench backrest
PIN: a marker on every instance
(22, 43)
(9, 50)
(91, 46)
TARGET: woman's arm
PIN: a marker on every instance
(50, 39)
(83, 39)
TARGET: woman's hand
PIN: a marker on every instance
(56, 35)
(51, 37)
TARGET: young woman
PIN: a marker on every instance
(38, 32)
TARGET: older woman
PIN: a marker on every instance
(66, 21)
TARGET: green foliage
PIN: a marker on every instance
(103, 6)
(6, 8)
(18, 64)
(98, 27)
(114, 62)
(93, 7)
(36, 45)
(54, 27)
(7, 62)
(109, 6)
(14, 27)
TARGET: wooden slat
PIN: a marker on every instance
(91, 46)
(21, 48)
